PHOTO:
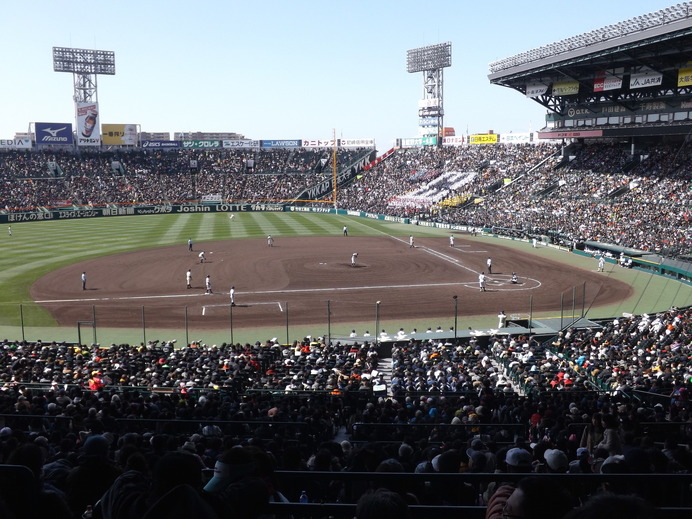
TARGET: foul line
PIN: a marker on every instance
(258, 292)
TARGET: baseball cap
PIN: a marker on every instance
(517, 457)
(556, 460)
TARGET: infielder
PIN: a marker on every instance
(201, 257)
(489, 263)
(232, 294)
(410, 241)
(83, 280)
(207, 283)
(601, 264)
(481, 282)
(270, 241)
(353, 259)
(451, 240)
(188, 278)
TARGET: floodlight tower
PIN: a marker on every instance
(430, 60)
(85, 65)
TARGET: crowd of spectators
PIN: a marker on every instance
(150, 419)
(31, 179)
(596, 191)
(613, 400)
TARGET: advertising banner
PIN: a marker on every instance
(536, 89)
(17, 144)
(289, 143)
(457, 140)
(570, 134)
(605, 83)
(517, 138)
(198, 144)
(239, 143)
(685, 76)
(357, 143)
(645, 77)
(485, 138)
(160, 144)
(429, 141)
(88, 133)
(566, 88)
(429, 103)
(54, 134)
(119, 134)
(411, 142)
(316, 143)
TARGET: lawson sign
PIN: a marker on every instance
(54, 134)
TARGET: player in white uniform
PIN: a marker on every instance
(201, 257)
(410, 241)
(353, 259)
(188, 278)
(232, 294)
(501, 319)
(601, 264)
(481, 282)
(207, 283)
(489, 263)
(270, 241)
(451, 240)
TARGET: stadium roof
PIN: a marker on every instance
(660, 42)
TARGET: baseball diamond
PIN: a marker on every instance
(301, 274)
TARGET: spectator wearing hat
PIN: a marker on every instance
(581, 465)
(94, 474)
(556, 461)
(518, 460)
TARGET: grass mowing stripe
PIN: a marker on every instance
(319, 224)
(175, 227)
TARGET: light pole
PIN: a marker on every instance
(377, 321)
(455, 315)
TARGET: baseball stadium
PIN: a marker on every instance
(461, 324)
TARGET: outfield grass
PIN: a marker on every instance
(36, 248)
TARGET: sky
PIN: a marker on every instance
(279, 69)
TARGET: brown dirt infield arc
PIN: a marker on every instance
(300, 278)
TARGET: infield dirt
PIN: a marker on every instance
(301, 279)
